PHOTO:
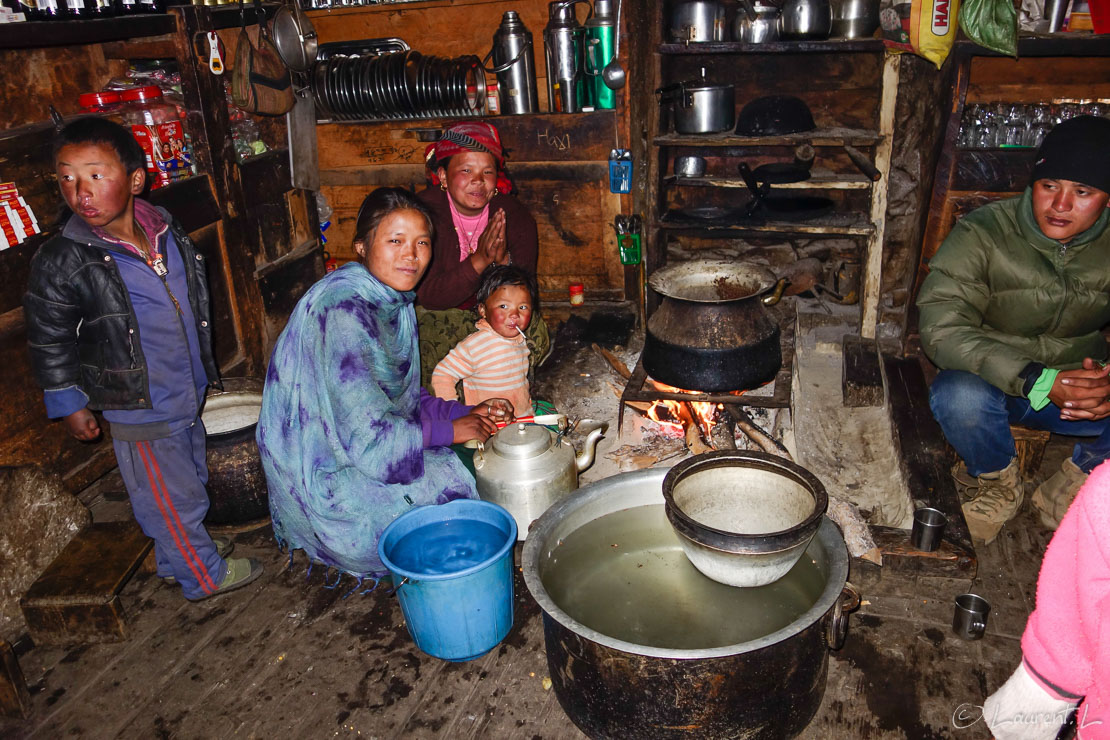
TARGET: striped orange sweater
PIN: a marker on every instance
(490, 366)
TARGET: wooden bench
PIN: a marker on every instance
(76, 599)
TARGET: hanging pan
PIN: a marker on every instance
(294, 37)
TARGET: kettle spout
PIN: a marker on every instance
(586, 459)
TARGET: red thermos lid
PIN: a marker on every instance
(98, 99)
(150, 92)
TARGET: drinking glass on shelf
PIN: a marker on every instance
(986, 135)
(1035, 134)
(1040, 113)
(1013, 133)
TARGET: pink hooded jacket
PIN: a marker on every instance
(1066, 644)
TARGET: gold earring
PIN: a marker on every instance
(443, 186)
(496, 191)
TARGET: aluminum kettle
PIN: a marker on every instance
(525, 468)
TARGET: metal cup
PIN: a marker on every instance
(928, 526)
(970, 619)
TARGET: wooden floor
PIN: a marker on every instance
(288, 657)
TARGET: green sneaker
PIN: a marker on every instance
(240, 572)
(224, 546)
(1053, 497)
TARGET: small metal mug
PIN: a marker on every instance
(969, 621)
(928, 527)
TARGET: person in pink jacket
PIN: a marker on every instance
(1066, 644)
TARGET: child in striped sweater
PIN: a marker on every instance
(493, 361)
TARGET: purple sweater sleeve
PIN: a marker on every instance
(436, 415)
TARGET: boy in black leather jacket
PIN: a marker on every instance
(118, 320)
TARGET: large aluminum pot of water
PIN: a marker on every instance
(641, 645)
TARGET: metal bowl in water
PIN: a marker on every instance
(744, 518)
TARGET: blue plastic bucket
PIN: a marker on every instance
(455, 566)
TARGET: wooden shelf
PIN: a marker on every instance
(1050, 45)
(774, 47)
(817, 137)
(847, 224)
(819, 180)
(38, 34)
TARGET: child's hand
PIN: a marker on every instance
(500, 410)
(82, 425)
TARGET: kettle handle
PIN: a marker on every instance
(502, 67)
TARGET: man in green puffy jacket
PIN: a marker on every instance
(1012, 312)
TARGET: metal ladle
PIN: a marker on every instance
(612, 74)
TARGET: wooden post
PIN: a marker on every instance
(873, 259)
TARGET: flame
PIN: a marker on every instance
(671, 413)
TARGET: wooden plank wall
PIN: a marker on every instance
(559, 162)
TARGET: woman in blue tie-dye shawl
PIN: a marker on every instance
(348, 439)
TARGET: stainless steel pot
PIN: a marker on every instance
(854, 19)
(526, 468)
(700, 108)
(806, 19)
(295, 37)
(698, 21)
(763, 27)
(768, 687)
(689, 166)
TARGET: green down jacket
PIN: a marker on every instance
(1001, 295)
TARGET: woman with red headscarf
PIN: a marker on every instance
(477, 224)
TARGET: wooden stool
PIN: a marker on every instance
(76, 599)
(15, 699)
(1030, 445)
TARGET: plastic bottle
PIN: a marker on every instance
(155, 125)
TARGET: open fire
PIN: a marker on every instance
(681, 414)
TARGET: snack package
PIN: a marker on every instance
(924, 27)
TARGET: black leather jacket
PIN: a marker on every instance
(81, 325)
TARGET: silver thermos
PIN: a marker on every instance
(513, 65)
(564, 44)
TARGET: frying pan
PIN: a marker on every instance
(786, 207)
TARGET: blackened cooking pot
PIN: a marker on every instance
(712, 331)
(769, 687)
(236, 482)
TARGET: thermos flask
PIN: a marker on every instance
(599, 51)
(513, 65)
(564, 41)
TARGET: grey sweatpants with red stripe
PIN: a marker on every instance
(165, 479)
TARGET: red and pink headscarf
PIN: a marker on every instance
(467, 137)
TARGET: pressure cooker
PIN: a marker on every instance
(699, 107)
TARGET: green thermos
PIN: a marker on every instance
(600, 35)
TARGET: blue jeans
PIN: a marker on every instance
(976, 417)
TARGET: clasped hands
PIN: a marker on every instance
(493, 246)
(1083, 394)
(481, 422)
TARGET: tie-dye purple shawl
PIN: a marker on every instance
(339, 433)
